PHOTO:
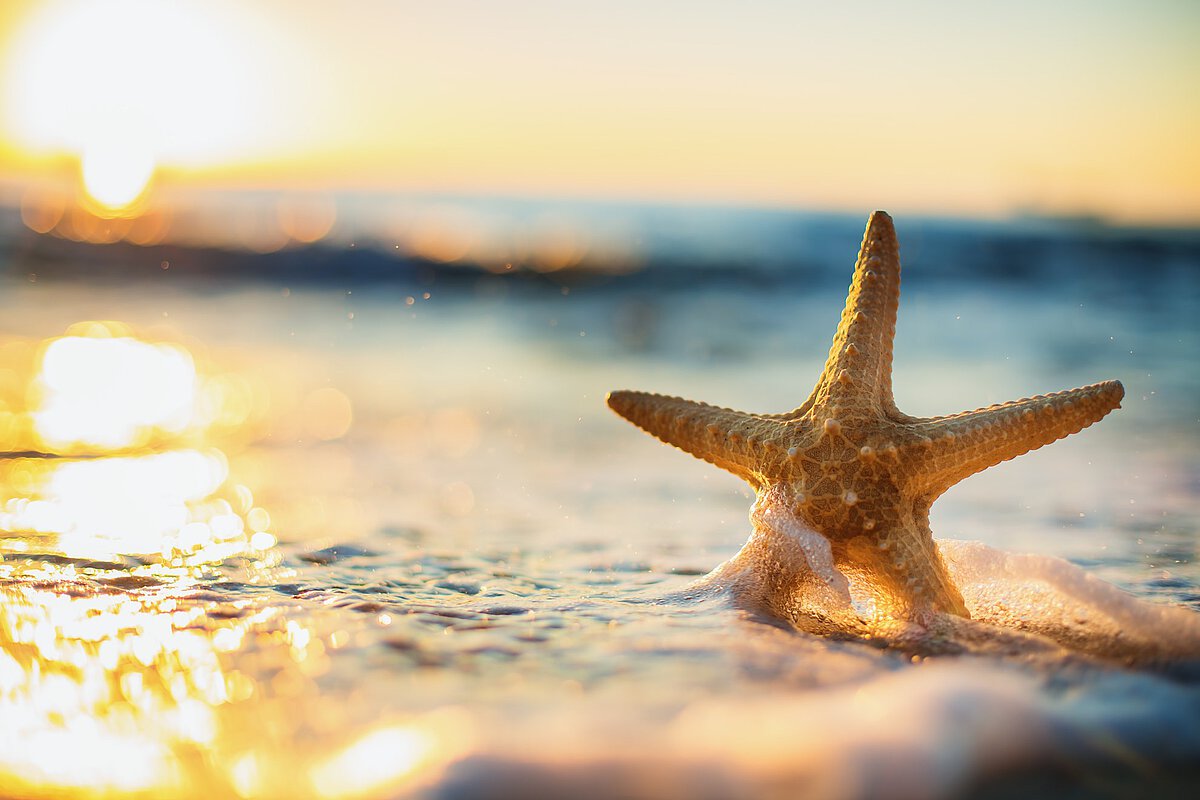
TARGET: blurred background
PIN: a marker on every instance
(436, 130)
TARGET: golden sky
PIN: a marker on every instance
(965, 108)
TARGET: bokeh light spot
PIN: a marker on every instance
(327, 414)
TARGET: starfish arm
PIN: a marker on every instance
(858, 370)
(960, 445)
(732, 440)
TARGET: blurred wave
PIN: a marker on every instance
(336, 240)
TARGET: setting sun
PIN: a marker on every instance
(126, 86)
(115, 174)
(638, 101)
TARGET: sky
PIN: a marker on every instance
(976, 109)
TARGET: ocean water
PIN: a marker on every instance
(292, 532)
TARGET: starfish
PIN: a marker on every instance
(850, 466)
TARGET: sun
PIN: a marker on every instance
(128, 86)
(115, 175)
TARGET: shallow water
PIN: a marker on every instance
(395, 544)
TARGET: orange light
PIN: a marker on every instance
(307, 220)
(41, 212)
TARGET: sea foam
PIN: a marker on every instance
(1054, 598)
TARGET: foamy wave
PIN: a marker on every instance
(1018, 603)
(1051, 597)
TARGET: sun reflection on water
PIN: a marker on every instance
(168, 504)
(107, 389)
(88, 675)
(127, 663)
(114, 660)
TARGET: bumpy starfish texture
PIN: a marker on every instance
(852, 466)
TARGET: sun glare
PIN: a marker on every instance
(128, 85)
(116, 175)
